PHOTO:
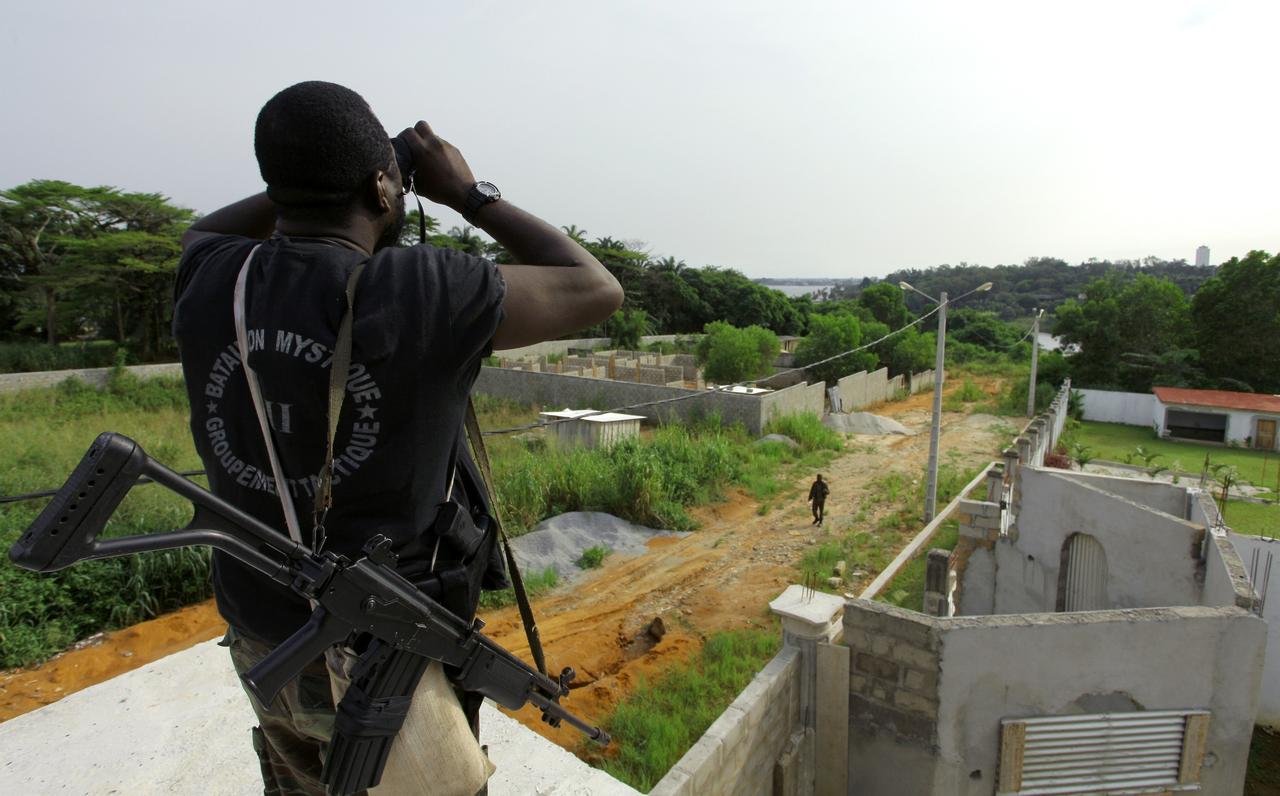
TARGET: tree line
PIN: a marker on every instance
(1135, 334)
(84, 263)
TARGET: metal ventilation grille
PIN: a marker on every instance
(1109, 753)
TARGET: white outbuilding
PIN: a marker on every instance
(1248, 418)
(588, 428)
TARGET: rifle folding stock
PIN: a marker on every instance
(364, 596)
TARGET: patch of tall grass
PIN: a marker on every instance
(900, 501)
(660, 720)
(654, 479)
(535, 583)
(45, 433)
(907, 589)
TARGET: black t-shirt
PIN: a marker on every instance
(424, 320)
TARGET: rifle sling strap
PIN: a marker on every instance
(517, 582)
(338, 371)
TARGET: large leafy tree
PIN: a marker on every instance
(886, 304)
(828, 336)
(1236, 315)
(729, 354)
(37, 219)
(1144, 316)
(91, 258)
(626, 327)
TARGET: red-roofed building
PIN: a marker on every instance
(1219, 416)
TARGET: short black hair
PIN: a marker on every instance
(316, 143)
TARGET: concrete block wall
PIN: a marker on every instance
(877, 387)
(971, 565)
(895, 386)
(921, 381)
(893, 698)
(1246, 547)
(927, 694)
(1152, 558)
(798, 399)
(738, 752)
(563, 346)
(997, 667)
(860, 390)
(548, 389)
(1113, 406)
(853, 391)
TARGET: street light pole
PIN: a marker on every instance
(1035, 350)
(935, 433)
(931, 496)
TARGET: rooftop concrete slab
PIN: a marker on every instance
(181, 725)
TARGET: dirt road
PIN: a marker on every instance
(720, 578)
(723, 576)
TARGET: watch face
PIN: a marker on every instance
(488, 190)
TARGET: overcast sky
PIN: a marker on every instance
(836, 139)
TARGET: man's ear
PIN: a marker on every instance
(381, 191)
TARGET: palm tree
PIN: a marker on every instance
(468, 241)
(579, 235)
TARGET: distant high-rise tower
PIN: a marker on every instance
(1202, 256)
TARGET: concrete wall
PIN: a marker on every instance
(799, 399)
(1152, 557)
(577, 392)
(561, 346)
(1129, 408)
(1158, 495)
(94, 377)
(893, 699)
(1094, 662)
(738, 752)
(862, 389)
(1269, 709)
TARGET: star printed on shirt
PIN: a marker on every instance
(367, 412)
(212, 407)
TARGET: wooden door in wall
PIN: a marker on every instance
(1082, 579)
(1266, 438)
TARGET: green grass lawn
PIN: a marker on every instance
(1113, 441)
(652, 480)
(660, 720)
(907, 589)
(1253, 519)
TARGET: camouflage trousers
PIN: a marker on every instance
(292, 738)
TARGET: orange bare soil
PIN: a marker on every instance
(719, 578)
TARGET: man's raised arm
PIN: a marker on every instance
(557, 287)
(253, 217)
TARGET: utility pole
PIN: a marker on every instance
(931, 496)
(1035, 350)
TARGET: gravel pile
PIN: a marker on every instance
(865, 423)
(558, 542)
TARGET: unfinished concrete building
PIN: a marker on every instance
(1088, 635)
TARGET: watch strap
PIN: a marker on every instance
(477, 199)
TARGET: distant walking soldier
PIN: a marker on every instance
(818, 497)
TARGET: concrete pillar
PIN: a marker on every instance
(811, 622)
(935, 582)
(995, 483)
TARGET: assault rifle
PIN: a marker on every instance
(366, 596)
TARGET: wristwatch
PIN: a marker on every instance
(481, 194)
